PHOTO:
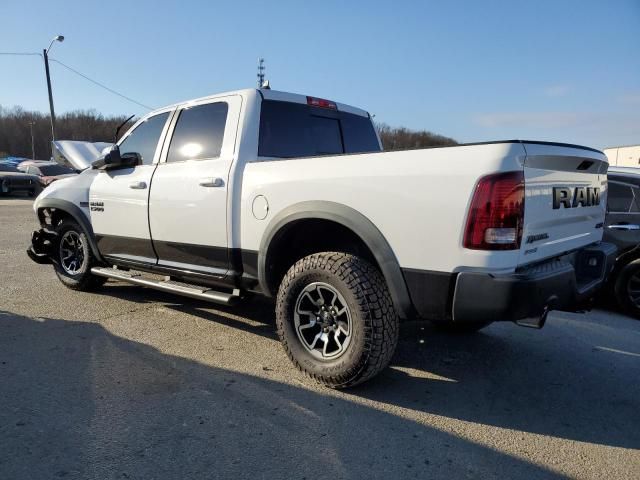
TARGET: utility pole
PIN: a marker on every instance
(53, 113)
(33, 148)
(261, 69)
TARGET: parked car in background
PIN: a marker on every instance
(47, 172)
(12, 180)
(622, 228)
(22, 166)
(13, 161)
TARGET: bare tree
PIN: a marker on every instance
(92, 126)
(401, 138)
(88, 125)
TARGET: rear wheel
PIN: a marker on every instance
(74, 258)
(336, 319)
(627, 288)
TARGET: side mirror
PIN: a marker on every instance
(113, 160)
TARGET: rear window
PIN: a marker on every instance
(296, 130)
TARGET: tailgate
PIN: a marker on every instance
(565, 199)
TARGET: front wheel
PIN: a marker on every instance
(336, 319)
(74, 258)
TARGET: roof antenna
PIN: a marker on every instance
(262, 83)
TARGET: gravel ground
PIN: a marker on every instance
(132, 383)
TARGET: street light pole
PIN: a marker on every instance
(45, 53)
(53, 113)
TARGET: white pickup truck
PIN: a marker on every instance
(291, 196)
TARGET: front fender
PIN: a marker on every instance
(74, 212)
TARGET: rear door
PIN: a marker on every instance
(188, 198)
(118, 199)
(565, 200)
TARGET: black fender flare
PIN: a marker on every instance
(358, 224)
(76, 213)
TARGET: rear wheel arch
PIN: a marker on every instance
(360, 232)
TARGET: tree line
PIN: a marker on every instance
(88, 125)
(16, 125)
(401, 138)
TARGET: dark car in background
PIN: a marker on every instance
(47, 172)
(622, 228)
(12, 181)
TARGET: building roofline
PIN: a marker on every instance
(621, 146)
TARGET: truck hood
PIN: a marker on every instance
(77, 155)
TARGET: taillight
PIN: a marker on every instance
(321, 102)
(496, 213)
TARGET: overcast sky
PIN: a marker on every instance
(544, 70)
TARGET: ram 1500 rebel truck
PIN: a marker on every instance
(292, 197)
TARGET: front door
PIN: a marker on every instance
(188, 198)
(119, 199)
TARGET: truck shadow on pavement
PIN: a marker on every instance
(79, 402)
(552, 382)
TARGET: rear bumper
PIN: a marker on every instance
(567, 283)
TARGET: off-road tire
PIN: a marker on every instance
(375, 324)
(629, 273)
(84, 280)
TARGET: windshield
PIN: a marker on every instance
(297, 130)
(53, 170)
(8, 168)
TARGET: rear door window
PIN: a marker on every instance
(290, 130)
(199, 132)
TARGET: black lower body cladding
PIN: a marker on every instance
(563, 283)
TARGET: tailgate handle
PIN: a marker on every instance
(624, 226)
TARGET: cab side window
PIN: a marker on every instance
(144, 139)
(199, 132)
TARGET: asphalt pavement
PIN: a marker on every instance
(130, 383)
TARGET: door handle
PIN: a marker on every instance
(211, 182)
(138, 185)
(624, 226)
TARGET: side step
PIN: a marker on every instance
(166, 285)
